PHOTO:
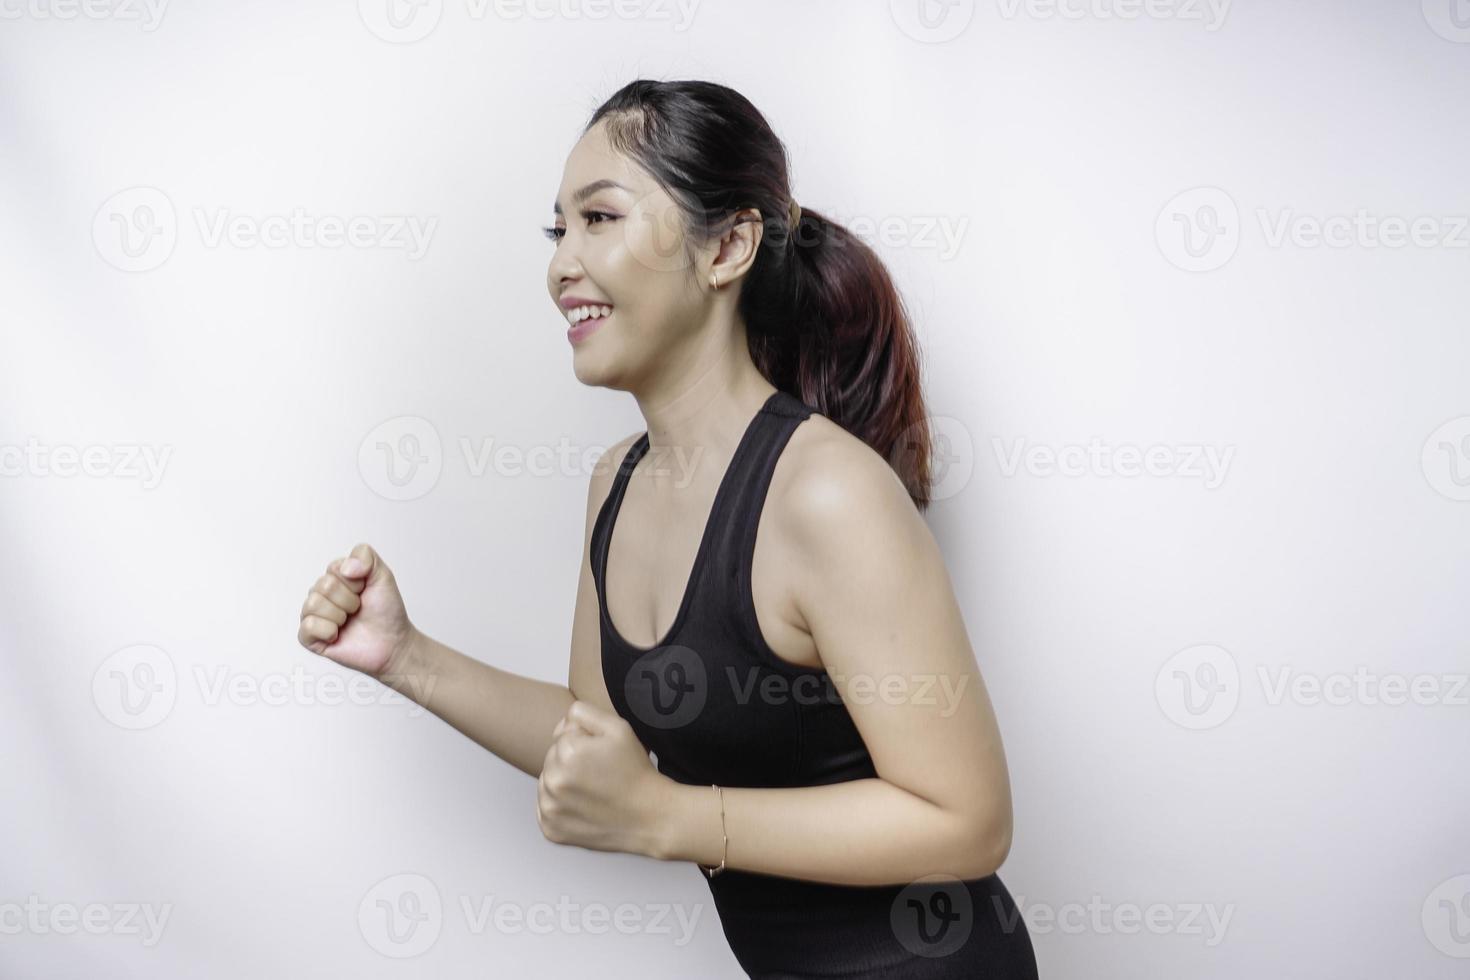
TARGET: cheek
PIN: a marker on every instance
(655, 242)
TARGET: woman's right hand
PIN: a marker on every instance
(354, 615)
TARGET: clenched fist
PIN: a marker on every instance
(598, 789)
(354, 615)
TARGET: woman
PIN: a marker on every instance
(776, 625)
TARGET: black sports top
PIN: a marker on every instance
(715, 704)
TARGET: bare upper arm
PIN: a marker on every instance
(874, 591)
(584, 670)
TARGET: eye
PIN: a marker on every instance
(555, 234)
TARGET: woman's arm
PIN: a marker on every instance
(877, 598)
(511, 715)
(859, 832)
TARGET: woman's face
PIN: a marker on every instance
(620, 243)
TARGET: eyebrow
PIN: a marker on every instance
(588, 191)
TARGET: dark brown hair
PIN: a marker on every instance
(823, 318)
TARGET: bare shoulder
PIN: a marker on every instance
(831, 489)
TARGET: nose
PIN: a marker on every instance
(564, 269)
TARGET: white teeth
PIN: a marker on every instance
(580, 313)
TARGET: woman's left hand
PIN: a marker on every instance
(598, 788)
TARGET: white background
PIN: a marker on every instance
(1069, 154)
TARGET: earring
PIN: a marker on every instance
(714, 279)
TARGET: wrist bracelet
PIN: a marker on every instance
(709, 871)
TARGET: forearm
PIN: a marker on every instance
(860, 832)
(511, 715)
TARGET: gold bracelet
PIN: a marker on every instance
(710, 872)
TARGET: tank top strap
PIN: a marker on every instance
(734, 550)
(602, 526)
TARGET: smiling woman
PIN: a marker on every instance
(773, 621)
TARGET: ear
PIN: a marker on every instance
(737, 247)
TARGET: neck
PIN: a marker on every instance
(703, 413)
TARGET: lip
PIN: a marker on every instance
(578, 332)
